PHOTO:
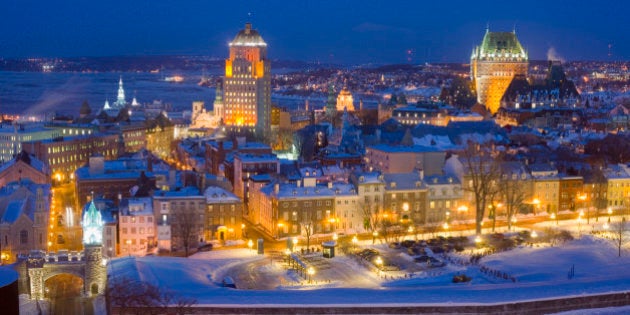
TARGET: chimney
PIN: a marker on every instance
(298, 183)
(330, 185)
(276, 188)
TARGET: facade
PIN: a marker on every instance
(404, 199)
(24, 218)
(546, 187)
(618, 180)
(349, 217)
(444, 197)
(404, 159)
(293, 209)
(224, 215)
(344, 100)
(571, 189)
(246, 165)
(136, 226)
(370, 187)
(180, 216)
(112, 179)
(12, 136)
(64, 155)
(247, 83)
(493, 65)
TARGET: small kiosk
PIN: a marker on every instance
(328, 249)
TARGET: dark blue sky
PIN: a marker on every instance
(339, 31)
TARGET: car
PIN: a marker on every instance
(228, 282)
(205, 247)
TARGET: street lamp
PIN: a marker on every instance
(374, 236)
(295, 242)
(250, 244)
(311, 272)
(583, 199)
(354, 242)
(534, 234)
(128, 242)
(335, 237)
(379, 263)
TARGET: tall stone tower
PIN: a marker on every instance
(494, 63)
(247, 83)
(95, 269)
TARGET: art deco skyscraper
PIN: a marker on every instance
(493, 65)
(247, 84)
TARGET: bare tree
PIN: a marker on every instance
(619, 230)
(370, 218)
(481, 171)
(512, 192)
(307, 226)
(186, 228)
(129, 296)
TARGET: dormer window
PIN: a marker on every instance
(392, 185)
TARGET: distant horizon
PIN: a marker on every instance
(287, 60)
(331, 32)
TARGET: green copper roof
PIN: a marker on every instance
(500, 44)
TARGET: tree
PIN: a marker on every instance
(307, 226)
(370, 218)
(185, 228)
(618, 233)
(135, 297)
(512, 192)
(480, 177)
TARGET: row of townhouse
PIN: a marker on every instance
(546, 190)
(353, 206)
(171, 220)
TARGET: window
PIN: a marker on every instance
(432, 205)
(23, 237)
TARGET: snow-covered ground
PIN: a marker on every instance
(541, 272)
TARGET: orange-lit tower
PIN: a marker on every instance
(247, 83)
(494, 63)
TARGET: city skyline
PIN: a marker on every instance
(325, 31)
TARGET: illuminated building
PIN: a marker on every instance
(247, 83)
(494, 63)
(344, 100)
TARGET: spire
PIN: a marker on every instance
(106, 107)
(487, 27)
(120, 101)
(92, 225)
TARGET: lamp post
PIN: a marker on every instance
(582, 197)
(250, 244)
(311, 272)
(280, 225)
(579, 220)
(379, 263)
(354, 243)
(374, 236)
(295, 242)
(128, 242)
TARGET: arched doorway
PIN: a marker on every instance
(63, 286)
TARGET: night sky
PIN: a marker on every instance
(339, 31)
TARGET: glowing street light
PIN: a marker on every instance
(335, 237)
(311, 272)
(534, 234)
(355, 240)
(250, 244)
(379, 263)
(295, 242)
(374, 236)
(477, 239)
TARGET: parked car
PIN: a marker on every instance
(228, 282)
(205, 247)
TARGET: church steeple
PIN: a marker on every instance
(120, 100)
